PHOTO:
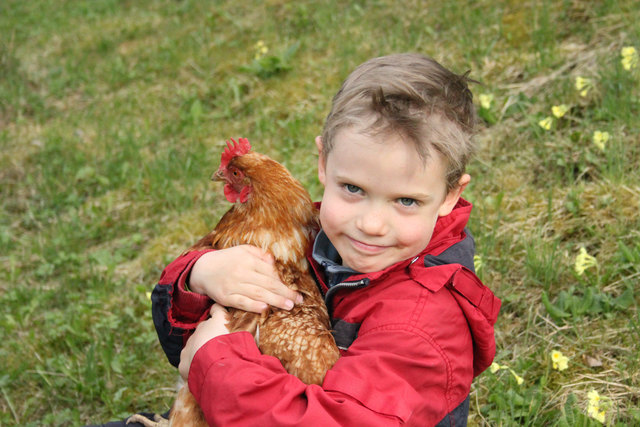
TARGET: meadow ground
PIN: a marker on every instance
(113, 115)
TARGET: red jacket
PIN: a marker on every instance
(412, 338)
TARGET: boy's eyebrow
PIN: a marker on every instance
(345, 178)
(417, 196)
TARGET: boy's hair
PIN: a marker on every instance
(414, 96)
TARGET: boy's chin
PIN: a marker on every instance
(367, 266)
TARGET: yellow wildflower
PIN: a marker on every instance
(495, 367)
(261, 49)
(629, 57)
(584, 261)
(629, 62)
(485, 100)
(595, 414)
(600, 139)
(582, 82)
(559, 110)
(477, 262)
(628, 51)
(518, 378)
(583, 85)
(593, 408)
(546, 123)
(594, 398)
(559, 361)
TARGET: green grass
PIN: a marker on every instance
(112, 118)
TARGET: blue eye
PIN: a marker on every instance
(406, 201)
(352, 188)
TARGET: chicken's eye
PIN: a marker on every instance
(236, 173)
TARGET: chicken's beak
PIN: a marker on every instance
(218, 176)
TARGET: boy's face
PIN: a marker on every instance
(381, 200)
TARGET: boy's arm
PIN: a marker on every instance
(177, 311)
(229, 376)
(393, 373)
(243, 277)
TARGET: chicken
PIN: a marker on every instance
(274, 212)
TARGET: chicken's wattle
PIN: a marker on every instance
(233, 195)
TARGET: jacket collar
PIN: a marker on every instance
(326, 255)
(449, 229)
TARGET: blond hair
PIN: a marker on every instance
(414, 96)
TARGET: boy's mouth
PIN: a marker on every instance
(366, 247)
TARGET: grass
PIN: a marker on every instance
(112, 117)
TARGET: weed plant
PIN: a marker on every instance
(112, 117)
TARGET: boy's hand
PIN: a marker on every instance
(242, 277)
(214, 326)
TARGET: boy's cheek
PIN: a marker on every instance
(328, 219)
(331, 206)
(323, 213)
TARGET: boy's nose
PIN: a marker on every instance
(372, 223)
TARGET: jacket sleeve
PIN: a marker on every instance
(369, 385)
(175, 310)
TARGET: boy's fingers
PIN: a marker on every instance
(248, 304)
(258, 252)
(217, 310)
(264, 268)
(184, 365)
(268, 288)
(282, 293)
(254, 297)
(271, 282)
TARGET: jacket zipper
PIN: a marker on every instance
(328, 298)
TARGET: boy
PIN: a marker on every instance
(393, 259)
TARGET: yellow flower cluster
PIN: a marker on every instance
(583, 85)
(486, 99)
(600, 139)
(559, 360)
(594, 408)
(558, 112)
(261, 50)
(546, 123)
(584, 261)
(629, 59)
(495, 367)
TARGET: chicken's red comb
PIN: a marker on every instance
(234, 149)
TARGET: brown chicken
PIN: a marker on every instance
(274, 212)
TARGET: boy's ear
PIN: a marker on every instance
(454, 195)
(321, 161)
